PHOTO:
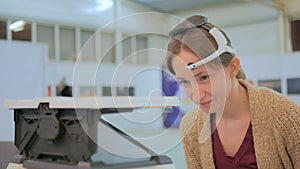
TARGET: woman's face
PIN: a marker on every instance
(207, 86)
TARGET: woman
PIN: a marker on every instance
(236, 125)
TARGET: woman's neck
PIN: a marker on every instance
(237, 104)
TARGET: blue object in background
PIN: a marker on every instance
(171, 87)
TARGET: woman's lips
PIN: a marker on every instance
(205, 103)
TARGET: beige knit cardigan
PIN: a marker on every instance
(275, 126)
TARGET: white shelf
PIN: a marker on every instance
(95, 102)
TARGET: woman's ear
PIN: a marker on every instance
(234, 66)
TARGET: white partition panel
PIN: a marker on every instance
(22, 77)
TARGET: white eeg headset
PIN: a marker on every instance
(199, 21)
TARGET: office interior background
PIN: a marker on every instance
(92, 44)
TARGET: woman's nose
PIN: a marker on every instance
(197, 93)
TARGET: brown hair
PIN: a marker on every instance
(202, 44)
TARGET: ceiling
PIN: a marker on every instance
(171, 6)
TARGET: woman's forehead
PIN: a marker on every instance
(179, 63)
(187, 57)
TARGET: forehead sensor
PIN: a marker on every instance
(191, 63)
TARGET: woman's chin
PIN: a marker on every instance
(206, 110)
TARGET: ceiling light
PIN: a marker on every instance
(17, 25)
(104, 4)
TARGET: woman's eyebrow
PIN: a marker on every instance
(196, 75)
(179, 78)
(199, 73)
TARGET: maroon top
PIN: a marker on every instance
(244, 158)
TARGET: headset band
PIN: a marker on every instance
(196, 22)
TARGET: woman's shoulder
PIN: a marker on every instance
(264, 95)
(268, 100)
(191, 121)
(275, 99)
(283, 110)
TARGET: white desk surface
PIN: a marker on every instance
(95, 102)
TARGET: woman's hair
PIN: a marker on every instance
(199, 42)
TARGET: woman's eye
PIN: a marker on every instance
(184, 82)
(204, 77)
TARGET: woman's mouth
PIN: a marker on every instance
(205, 103)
